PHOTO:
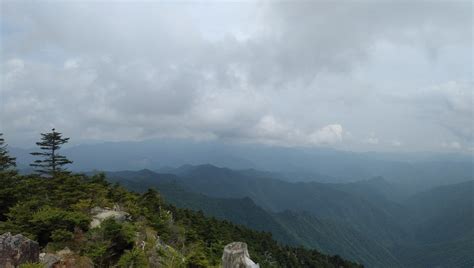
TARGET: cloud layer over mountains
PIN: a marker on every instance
(354, 75)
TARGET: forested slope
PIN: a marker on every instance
(56, 212)
(356, 220)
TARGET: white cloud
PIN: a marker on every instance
(396, 143)
(12, 68)
(71, 64)
(268, 126)
(372, 140)
(451, 145)
(329, 134)
(269, 130)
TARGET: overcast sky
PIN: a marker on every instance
(376, 75)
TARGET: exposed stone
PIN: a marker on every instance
(100, 214)
(17, 249)
(64, 252)
(236, 255)
(49, 260)
(65, 258)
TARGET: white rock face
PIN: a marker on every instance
(100, 214)
(236, 255)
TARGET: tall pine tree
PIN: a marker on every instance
(6, 161)
(52, 162)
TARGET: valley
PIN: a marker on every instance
(353, 220)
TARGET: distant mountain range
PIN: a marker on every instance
(374, 221)
(412, 171)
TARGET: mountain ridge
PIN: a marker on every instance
(219, 189)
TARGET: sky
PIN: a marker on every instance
(351, 75)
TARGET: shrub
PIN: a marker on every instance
(134, 258)
(31, 265)
(61, 235)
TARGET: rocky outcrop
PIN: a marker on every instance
(49, 260)
(100, 214)
(236, 255)
(65, 259)
(17, 249)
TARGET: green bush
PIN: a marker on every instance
(169, 257)
(134, 258)
(107, 243)
(48, 219)
(197, 257)
(31, 265)
(41, 221)
(97, 251)
(61, 235)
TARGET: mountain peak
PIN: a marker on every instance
(146, 171)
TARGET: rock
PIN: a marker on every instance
(100, 214)
(65, 258)
(49, 260)
(236, 255)
(17, 249)
(64, 252)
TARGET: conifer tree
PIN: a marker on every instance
(52, 162)
(6, 161)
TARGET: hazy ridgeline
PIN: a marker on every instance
(415, 170)
(430, 228)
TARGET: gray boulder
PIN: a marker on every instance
(17, 249)
(49, 260)
(236, 255)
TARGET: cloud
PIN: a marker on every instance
(270, 130)
(449, 105)
(71, 64)
(396, 143)
(284, 73)
(310, 37)
(372, 140)
(329, 134)
(451, 145)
